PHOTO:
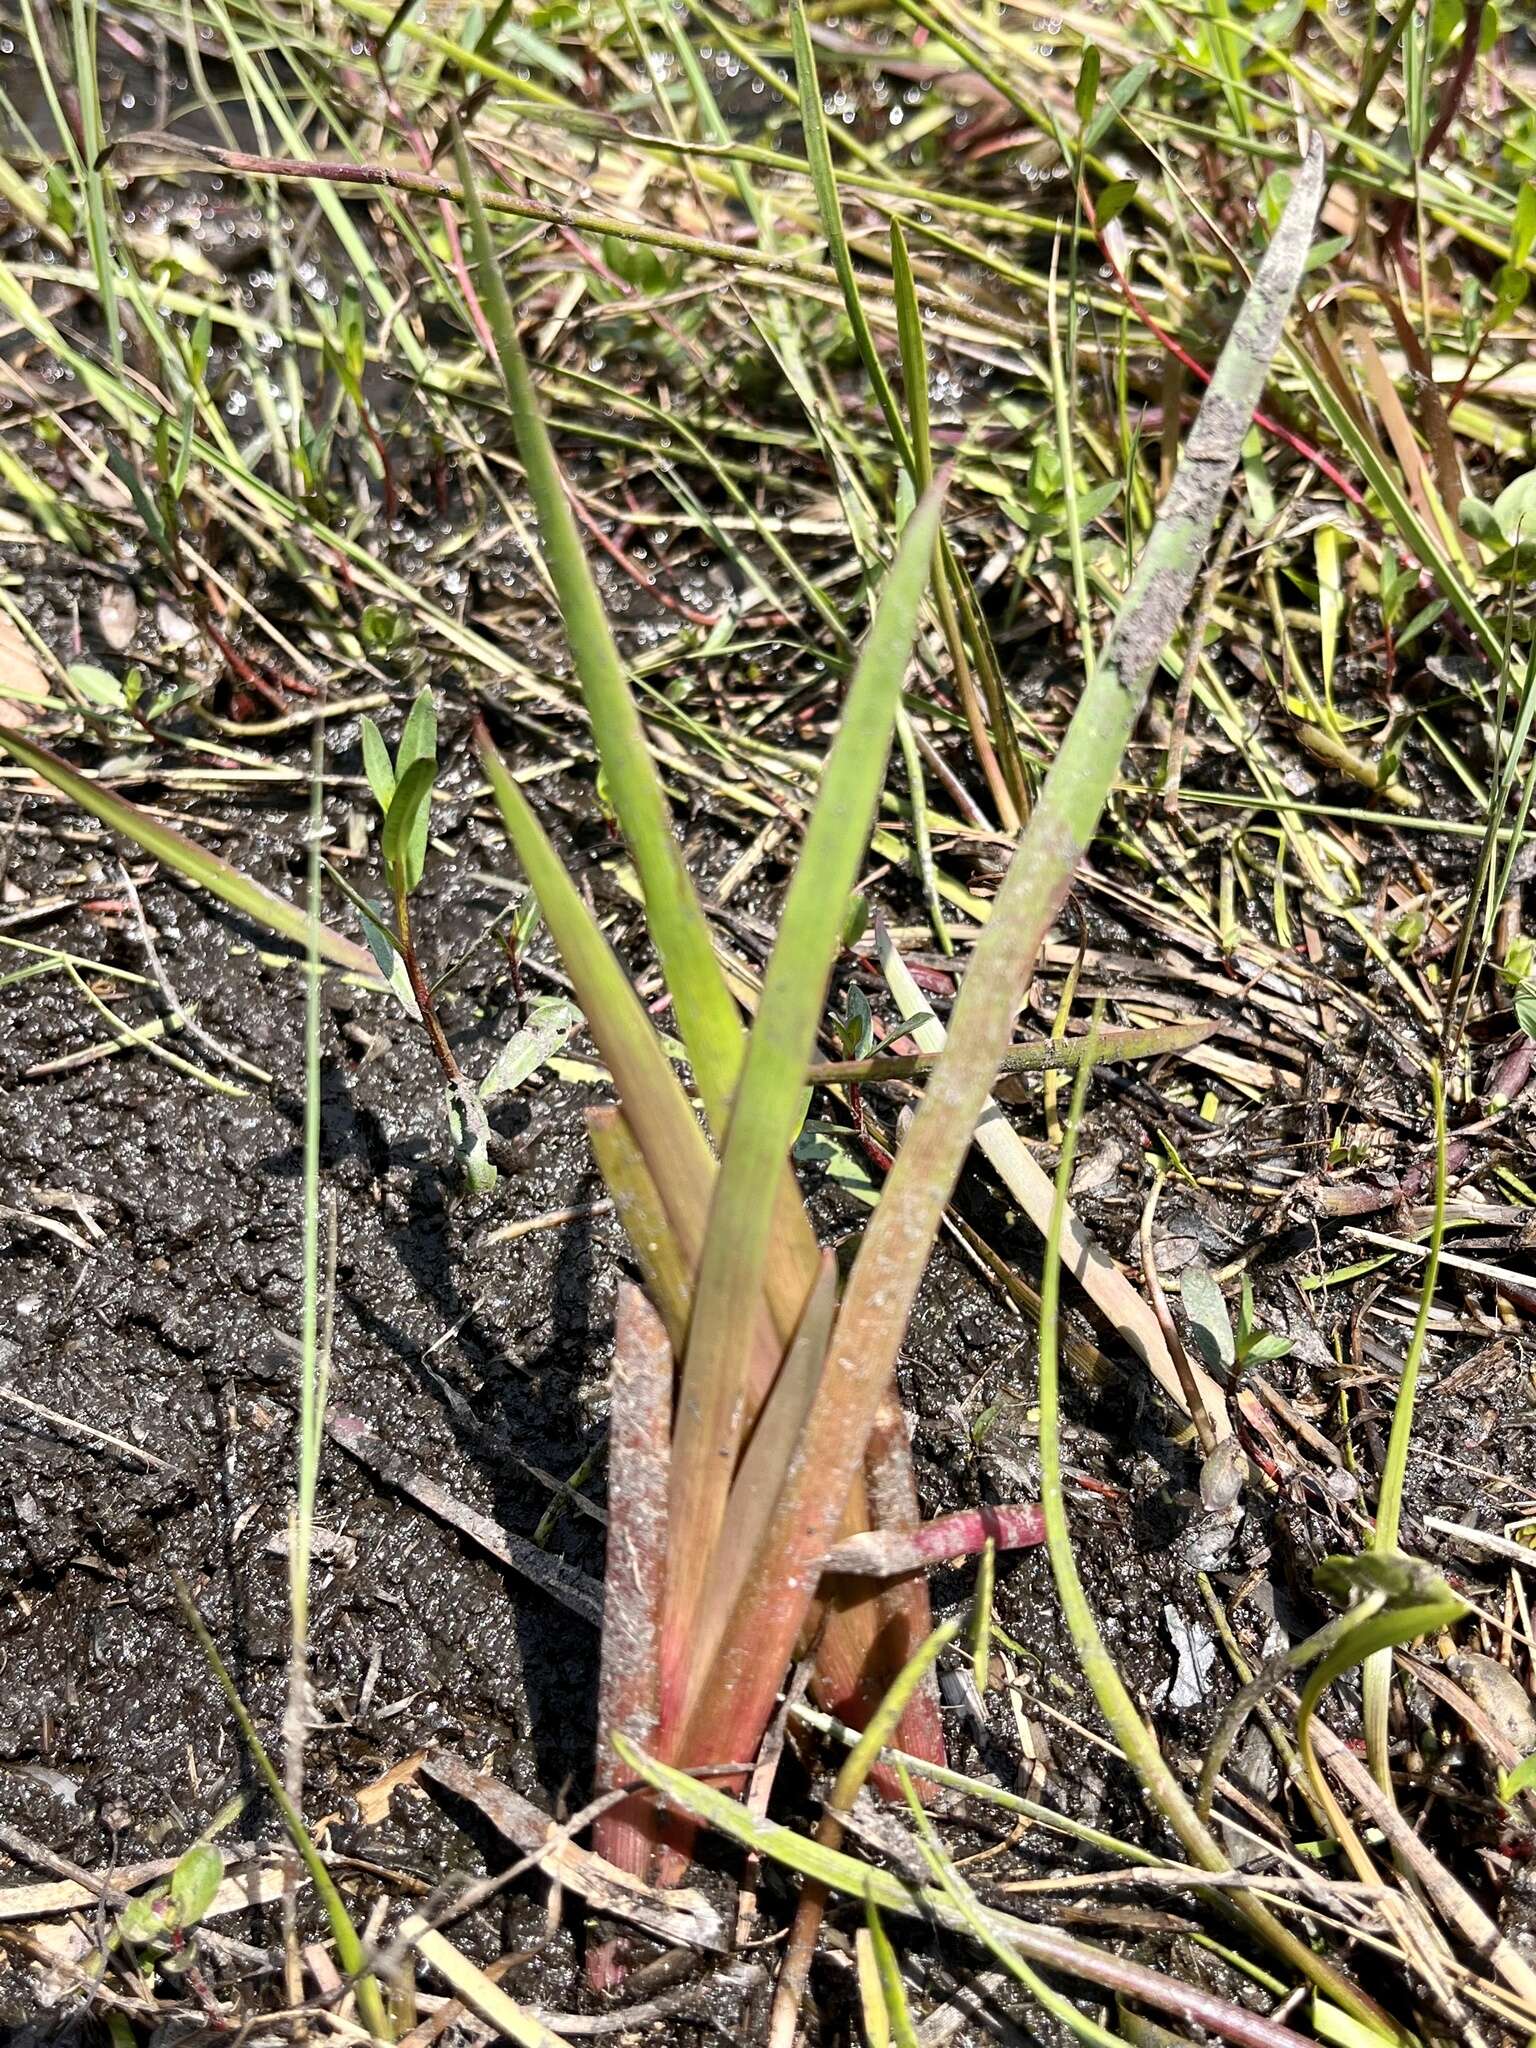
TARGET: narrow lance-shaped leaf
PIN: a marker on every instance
(706, 1014)
(738, 1695)
(406, 823)
(768, 1098)
(194, 863)
(655, 1106)
(376, 763)
(418, 740)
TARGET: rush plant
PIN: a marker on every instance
(753, 1418)
(740, 1303)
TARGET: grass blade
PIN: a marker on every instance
(192, 862)
(706, 1015)
(712, 1407)
(890, 1893)
(675, 1150)
(349, 1947)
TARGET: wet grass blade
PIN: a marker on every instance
(768, 1105)
(896, 1245)
(192, 862)
(818, 152)
(349, 1947)
(1131, 1731)
(891, 1893)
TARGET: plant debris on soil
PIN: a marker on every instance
(256, 481)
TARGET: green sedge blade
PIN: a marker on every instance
(769, 1097)
(706, 1014)
(185, 857)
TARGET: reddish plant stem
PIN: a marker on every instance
(629, 1701)
(885, 1552)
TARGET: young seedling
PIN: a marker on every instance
(402, 789)
(161, 1925)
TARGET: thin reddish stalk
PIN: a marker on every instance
(885, 1552)
(1176, 349)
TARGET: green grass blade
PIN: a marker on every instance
(1131, 1731)
(769, 1098)
(706, 1015)
(914, 357)
(189, 860)
(818, 151)
(891, 1893)
(890, 1263)
(1377, 1676)
(674, 1148)
(349, 1947)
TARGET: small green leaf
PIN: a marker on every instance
(1263, 1349)
(1523, 1776)
(637, 263)
(1511, 288)
(1113, 201)
(1515, 507)
(200, 346)
(1087, 83)
(383, 627)
(408, 820)
(140, 1923)
(97, 685)
(194, 1882)
(418, 742)
(471, 1132)
(1522, 235)
(858, 1031)
(381, 777)
(1208, 1318)
(1477, 519)
(1404, 1581)
(386, 954)
(1342, 2030)
(1122, 93)
(1525, 1008)
(550, 1024)
(1324, 252)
